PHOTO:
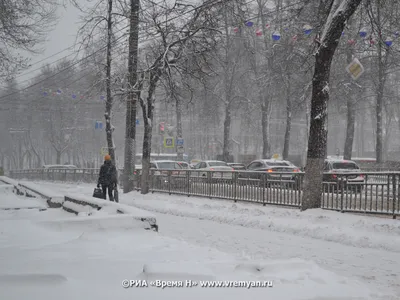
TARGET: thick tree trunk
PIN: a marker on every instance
(382, 64)
(319, 100)
(227, 132)
(379, 96)
(351, 119)
(317, 136)
(227, 93)
(351, 113)
(286, 144)
(265, 127)
(147, 109)
(146, 158)
(379, 106)
(130, 121)
(109, 102)
(264, 96)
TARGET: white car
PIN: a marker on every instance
(60, 167)
(165, 165)
(214, 165)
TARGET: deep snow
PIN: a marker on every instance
(292, 259)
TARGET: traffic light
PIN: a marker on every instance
(161, 128)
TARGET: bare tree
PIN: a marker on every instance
(93, 19)
(351, 89)
(167, 50)
(109, 101)
(382, 15)
(133, 94)
(24, 25)
(338, 13)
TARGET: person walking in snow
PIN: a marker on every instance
(107, 178)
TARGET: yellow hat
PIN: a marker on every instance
(107, 157)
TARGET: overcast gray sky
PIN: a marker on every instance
(61, 37)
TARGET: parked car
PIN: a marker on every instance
(354, 181)
(184, 164)
(60, 167)
(237, 166)
(165, 165)
(138, 170)
(162, 178)
(214, 165)
(276, 170)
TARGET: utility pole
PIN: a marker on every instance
(130, 133)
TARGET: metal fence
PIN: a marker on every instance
(366, 192)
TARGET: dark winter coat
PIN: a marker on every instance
(108, 174)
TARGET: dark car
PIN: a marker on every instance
(277, 171)
(353, 181)
(237, 166)
(184, 165)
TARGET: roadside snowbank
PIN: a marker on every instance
(346, 229)
(8, 200)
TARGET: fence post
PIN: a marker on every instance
(263, 186)
(188, 182)
(209, 179)
(394, 188)
(234, 185)
(169, 181)
(341, 193)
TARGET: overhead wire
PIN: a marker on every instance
(102, 48)
(71, 46)
(55, 54)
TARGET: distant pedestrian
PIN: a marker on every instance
(108, 178)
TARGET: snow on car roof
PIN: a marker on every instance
(276, 160)
(340, 160)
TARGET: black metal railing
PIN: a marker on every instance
(366, 192)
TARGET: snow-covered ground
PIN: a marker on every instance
(8, 200)
(311, 255)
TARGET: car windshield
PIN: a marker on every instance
(277, 164)
(345, 165)
(168, 165)
(218, 164)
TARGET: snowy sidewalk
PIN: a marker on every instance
(55, 260)
(8, 200)
(346, 229)
(365, 248)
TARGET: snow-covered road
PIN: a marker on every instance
(357, 247)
